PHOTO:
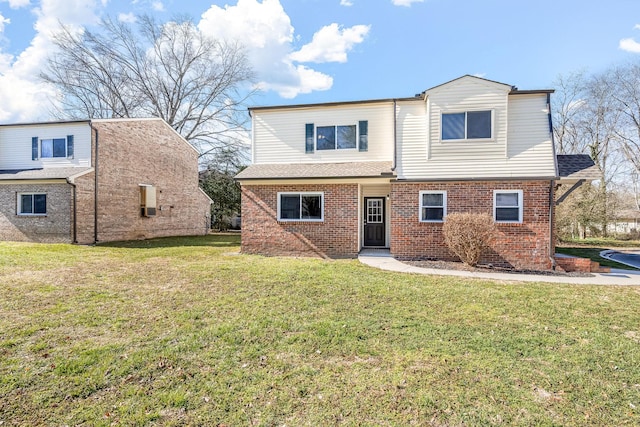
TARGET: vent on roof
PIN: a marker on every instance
(147, 200)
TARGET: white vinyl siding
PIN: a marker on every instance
(279, 135)
(15, 145)
(521, 145)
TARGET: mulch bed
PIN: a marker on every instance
(447, 265)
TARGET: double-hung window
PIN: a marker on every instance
(467, 125)
(32, 204)
(50, 148)
(433, 206)
(507, 206)
(305, 206)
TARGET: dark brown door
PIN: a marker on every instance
(374, 227)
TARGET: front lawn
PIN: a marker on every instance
(188, 332)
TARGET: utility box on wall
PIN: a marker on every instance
(147, 200)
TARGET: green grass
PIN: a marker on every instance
(602, 242)
(591, 248)
(188, 332)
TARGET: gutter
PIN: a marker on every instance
(75, 211)
(95, 190)
(552, 203)
(552, 240)
(395, 135)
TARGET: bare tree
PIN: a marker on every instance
(587, 120)
(169, 70)
(568, 99)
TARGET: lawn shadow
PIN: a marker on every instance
(217, 240)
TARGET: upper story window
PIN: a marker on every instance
(300, 206)
(466, 125)
(433, 206)
(507, 206)
(32, 204)
(49, 148)
(337, 137)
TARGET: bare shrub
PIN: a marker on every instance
(468, 234)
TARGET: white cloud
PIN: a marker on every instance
(406, 3)
(3, 21)
(129, 18)
(331, 44)
(346, 3)
(16, 4)
(24, 97)
(158, 6)
(265, 29)
(630, 45)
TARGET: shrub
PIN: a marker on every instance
(468, 234)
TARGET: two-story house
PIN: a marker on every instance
(331, 179)
(93, 181)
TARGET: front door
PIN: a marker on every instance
(374, 229)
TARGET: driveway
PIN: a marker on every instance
(630, 258)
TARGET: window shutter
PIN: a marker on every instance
(69, 146)
(309, 138)
(34, 148)
(364, 137)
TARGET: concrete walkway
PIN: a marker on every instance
(384, 261)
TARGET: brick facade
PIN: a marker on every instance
(336, 236)
(54, 227)
(134, 152)
(125, 154)
(523, 245)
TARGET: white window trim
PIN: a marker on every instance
(315, 137)
(520, 206)
(19, 204)
(301, 193)
(444, 205)
(465, 139)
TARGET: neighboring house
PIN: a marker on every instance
(93, 181)
(626, 221)
(332, 179)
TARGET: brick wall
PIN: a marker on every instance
(85, 208)
(133, 152)
(336, 236)
(523, 245)
(54, 227)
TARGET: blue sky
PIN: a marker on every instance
(307, 51)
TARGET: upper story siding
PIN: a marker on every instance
(520, 145)
(16, 145)
(279, 134)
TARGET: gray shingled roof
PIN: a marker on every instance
(577, 166)
(317, 170)
(46, 173)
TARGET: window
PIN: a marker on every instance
(32, 204)
(336, 137)
(52, 148)
(507, 205)
(343, 137)
(300, 206)
(466, 125)
(433, 206)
